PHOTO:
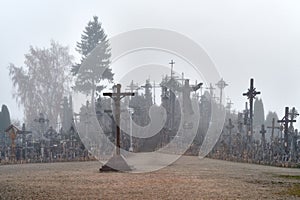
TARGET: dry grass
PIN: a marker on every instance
(188, 178)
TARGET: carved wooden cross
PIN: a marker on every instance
(117, 96)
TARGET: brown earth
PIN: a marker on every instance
(187, 178)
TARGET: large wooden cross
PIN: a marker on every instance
(251, 93)
(117, 96)
(286, 122)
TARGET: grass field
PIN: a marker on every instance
(187, 178)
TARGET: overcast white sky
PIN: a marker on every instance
(254, 38)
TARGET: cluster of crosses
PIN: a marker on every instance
(50, 146)
(277, 151)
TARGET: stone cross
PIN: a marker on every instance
(117, 96)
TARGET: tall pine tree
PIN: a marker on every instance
(89, 77)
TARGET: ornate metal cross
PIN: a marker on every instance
(251, 93)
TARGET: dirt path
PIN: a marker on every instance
(188, 178)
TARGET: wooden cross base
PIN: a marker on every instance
(115, 164)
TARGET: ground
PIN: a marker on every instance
(187, 178)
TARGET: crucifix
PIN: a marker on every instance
(117, 96)
(230, 126)
(286, 122)
(221, 85)
(251, 93)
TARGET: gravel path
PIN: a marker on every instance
(188, 178)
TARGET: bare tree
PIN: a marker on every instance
(40, 85)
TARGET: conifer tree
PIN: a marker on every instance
(89, 78)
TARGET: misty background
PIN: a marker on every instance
(259, 39)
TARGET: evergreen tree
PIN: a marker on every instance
(89, 78)
(4, 118)
(258, 113)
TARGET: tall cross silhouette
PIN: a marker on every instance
(251, 93)
(117, 96)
